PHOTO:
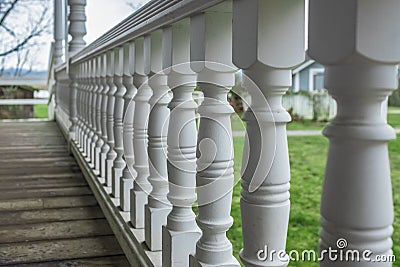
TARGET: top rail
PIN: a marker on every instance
(154, 15)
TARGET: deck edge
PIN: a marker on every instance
(132, 248)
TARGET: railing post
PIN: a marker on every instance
(261, 47)
(158, 206)
(104, 102)
(141, 187)
(211, 57)
(181, 232)
(58, 31)
(128, 174)
(119, 162)
(77, 28)
(98, 105)
(355, 42)
(110, 115)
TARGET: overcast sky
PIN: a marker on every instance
(101, 15)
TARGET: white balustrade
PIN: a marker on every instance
(265, 204)
(181, 232)
(128, 174)
(141, 186)
(148, 164)
(360, 59)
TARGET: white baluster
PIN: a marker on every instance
(181, 232)
(81, 83)
(128, 173)
(141, 186)
(93, 102)
(110, 115)
(77, 28)
(104, 102)
(355, 42)
(86, 110)
(158, 206)
(82, 104)
(99, 99)
(119, 162)
(91, 88)
(79, 104)
(72, 103)
(211, 38)
(262, 50)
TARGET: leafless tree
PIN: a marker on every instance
(22, 24)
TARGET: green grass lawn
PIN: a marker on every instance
(307, 159)
(40, 111)
(239, 126)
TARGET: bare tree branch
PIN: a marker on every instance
(18, 36)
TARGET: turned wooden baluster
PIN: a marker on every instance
(355, 41)
(82, 104)
(211, 38)
(95, 89)
(110, 115)
(79, 105)
(119, 162)
(141, 186)
(261, 47)
(77, 28)
(89, 111)
(128, 173)
(72, 104)
(99, 102)
(158, 206)
(84, 107)
(104, 102)
(181, 232)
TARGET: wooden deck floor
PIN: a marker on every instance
(48, 215)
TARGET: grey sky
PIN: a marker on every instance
(101, 15)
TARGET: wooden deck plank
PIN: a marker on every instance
(40, 183)
(54, 230)
(47, 203)
(48, 215)
(110, 261)
(58, 250)
(45, 192)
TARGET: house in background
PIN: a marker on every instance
(309, 76)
